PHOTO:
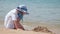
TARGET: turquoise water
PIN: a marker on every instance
(45, 11)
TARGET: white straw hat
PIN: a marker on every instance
(22, 8)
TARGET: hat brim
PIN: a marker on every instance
(22, 10)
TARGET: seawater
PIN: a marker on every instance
(46, 11)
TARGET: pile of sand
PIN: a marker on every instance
(42, 29)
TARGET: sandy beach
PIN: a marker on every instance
(29, 26)
(10, 31)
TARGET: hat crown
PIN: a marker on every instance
(23, 7)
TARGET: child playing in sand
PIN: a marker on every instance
(13, 18)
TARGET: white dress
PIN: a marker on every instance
(8, 22)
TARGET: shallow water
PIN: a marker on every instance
(42, 11)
